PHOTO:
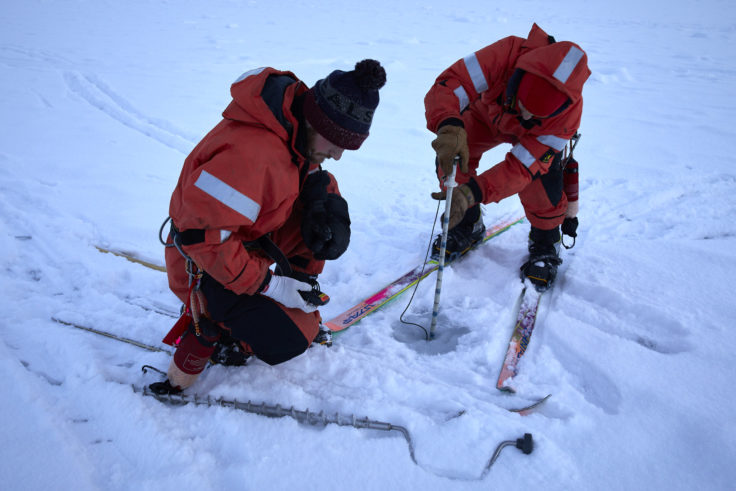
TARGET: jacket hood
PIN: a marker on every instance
(564, 64)
(263, 97)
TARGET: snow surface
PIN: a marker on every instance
(101, 102)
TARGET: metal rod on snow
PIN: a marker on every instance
(449, 184)
(271, 411)
(525, 444)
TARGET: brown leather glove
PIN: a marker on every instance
(462, 199)
(451, 141)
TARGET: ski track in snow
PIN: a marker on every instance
(98, 95)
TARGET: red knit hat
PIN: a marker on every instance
(538, 96)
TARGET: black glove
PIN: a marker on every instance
(569, 228)
(315, 187)
(326, 221)
(326, 227)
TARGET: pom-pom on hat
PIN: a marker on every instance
(539, 96)
(340, 107)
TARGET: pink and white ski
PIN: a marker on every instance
(394, 289)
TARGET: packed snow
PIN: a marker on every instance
(102, 101)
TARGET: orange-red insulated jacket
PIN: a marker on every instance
(242, 181)
(482, 82)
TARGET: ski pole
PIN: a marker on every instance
(449, 184)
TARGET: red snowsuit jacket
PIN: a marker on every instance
(479, 83)
(242, 181)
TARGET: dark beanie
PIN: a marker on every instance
(341, 106)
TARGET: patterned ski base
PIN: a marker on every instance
(520, 337)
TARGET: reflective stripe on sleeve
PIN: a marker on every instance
(568, 64)
(552, 141)
(476, 73)
(462, 97)
(228, 196)
(524, 156)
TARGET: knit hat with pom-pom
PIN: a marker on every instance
(341, 106)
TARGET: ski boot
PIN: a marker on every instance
(164, 388)
(324, 336)
(462, 236)
(229, 352)
(544, 258)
